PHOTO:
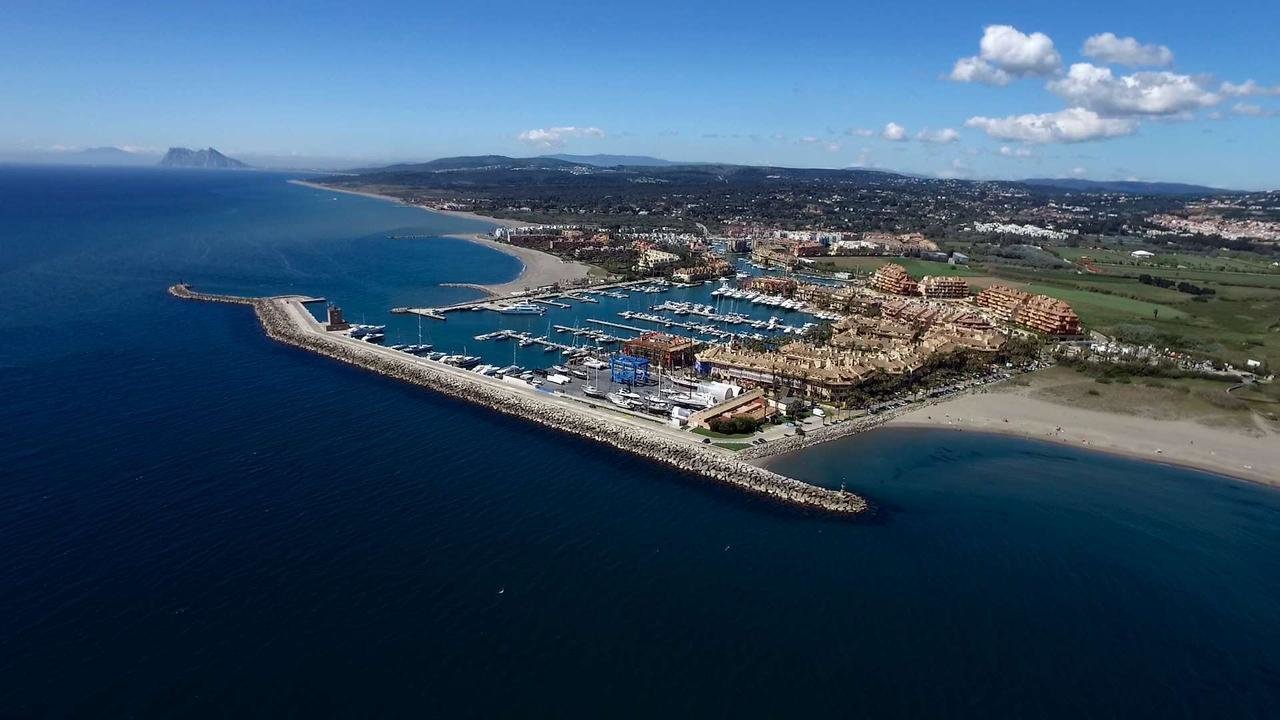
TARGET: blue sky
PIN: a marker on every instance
(800, 83)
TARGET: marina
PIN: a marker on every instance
(286, 320)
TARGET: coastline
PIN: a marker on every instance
(497, 222)
(1183, 443)
(537, 268)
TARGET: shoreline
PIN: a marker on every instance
(498, 222)
(537, 268)
(1221, 473)
(1182, 443)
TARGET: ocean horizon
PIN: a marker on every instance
(199, 522)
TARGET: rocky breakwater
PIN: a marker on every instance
(284, 326)
(826, 433)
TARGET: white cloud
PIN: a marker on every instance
(1065, 126)
(1079, 172)
(1106, 47)
(555, 137)
(1005, 53)
(1144, 93)
(1248, 88)
(1018, 53)
(1251, 110)
(893, 131)
(864, 159)
(945, 135)
(957, 169)
(860, 132)
(831, 147)
(977, 70)
(1007, 151)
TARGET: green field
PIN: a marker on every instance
(1222, 261)
(1238, 323)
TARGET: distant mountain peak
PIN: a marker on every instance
(206, 158)
(1135, 187)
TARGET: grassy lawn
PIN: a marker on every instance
(1269, 280)
(1097, 308)
(1238, 323)
(732, 446)
(1120, 257)
(714, 434)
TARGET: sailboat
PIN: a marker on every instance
(592, 390)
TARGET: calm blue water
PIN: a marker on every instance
(196, 522)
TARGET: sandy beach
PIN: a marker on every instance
(1251, 453)
(538, 269)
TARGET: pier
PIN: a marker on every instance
(494, 303)
(286, 320)
(609, 323)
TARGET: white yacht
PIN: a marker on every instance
(521, 308)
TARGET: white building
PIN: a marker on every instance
(651, 259)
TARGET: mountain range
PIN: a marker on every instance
(601, 168)
(613, 160)
(603, 171)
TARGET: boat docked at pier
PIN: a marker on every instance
(523, 307)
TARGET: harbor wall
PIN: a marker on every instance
(826, 433)
(279, 324)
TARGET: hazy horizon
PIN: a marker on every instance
(1005, 91)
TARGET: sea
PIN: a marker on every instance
(197, 522)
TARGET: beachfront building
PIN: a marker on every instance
(892, 278)
(752, 405)
(1050, 315)
(861, 348)
(1038, 312)
(661, 349)
(940, 287)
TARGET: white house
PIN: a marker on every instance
(1142, 254)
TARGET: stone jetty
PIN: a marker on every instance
(827, 433)
(284, 320)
